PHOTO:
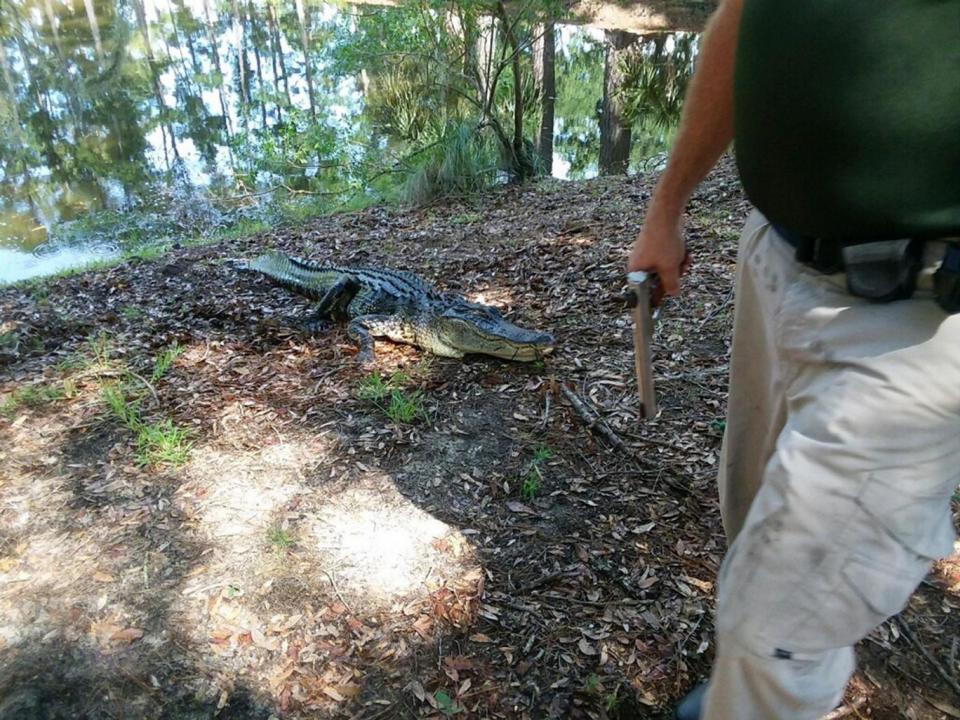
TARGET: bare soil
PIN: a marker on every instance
(313, 558)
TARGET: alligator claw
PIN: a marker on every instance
(365, 358)
(316, 327)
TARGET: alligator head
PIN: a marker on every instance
(467, 327)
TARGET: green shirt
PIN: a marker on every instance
(848, 116)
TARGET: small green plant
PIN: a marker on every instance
(530, 486)
(375, 388)
(446, 704)
(280, 538)
(98, 350)
(591, 683)
(718, 425)
(32, 396)
(612, 700)
(163, 443)
(532, 481)
(9, 341)
(542, 454)
(126, 411)
(160, 443)
(164, 361)
(131, 312)
(465, 218)
(400, 406)
(405, 408)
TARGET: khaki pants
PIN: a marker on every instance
(841, 452)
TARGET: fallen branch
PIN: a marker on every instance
(594, 422)
(936, 664)
(842, 712)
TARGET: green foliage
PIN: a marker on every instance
(462, 161)
(531, 482)
(465, 218)
(97, 350)
(164, 361)
(280, 538)
(592, 683)
(718, 425)
(9, 341)
(445, 704)
(405, 407)
(33, 396)
(126, 411)
(401, 406)
(375, 388)
(162, 443)
(131, 312)
(656, 76)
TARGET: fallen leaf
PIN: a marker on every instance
(586, 648)
(332, 693)
(128, 635)
(519, 507)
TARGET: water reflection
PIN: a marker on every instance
(108, 105)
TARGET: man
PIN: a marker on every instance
(842, 446)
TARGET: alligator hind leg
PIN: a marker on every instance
(333, 305)
(363, 329)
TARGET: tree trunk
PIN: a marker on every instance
(273, 64)
(272, 20)
(256, 36)
(212, 40)
(522, 162)
(155, 79)
(544, 74)
(238, 38)
(11, 89)
(94, 27)
(614, 130)
(305, 45)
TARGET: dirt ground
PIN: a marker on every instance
(312, 558)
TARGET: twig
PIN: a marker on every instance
(842, 712)
(147, 384)
(937, 665)
(546, 410)
(333, 584)
(544, 579)
(594, 422)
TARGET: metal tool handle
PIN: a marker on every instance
(641, 289)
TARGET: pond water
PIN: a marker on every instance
(128, 124)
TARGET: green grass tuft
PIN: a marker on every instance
(126, 411)
(131, 312)
(35, 396)
(405, 407)
(280, 538)
(375, 388)
(163, 443)
(160, 443)
(164, 361)
(532, 480)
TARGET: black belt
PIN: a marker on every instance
(823, 255)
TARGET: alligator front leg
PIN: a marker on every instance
(364, 328)
(333, 304)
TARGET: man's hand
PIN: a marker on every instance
(660, 249)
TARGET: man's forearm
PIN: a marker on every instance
(706, 126)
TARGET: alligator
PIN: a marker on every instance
(376, 302)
